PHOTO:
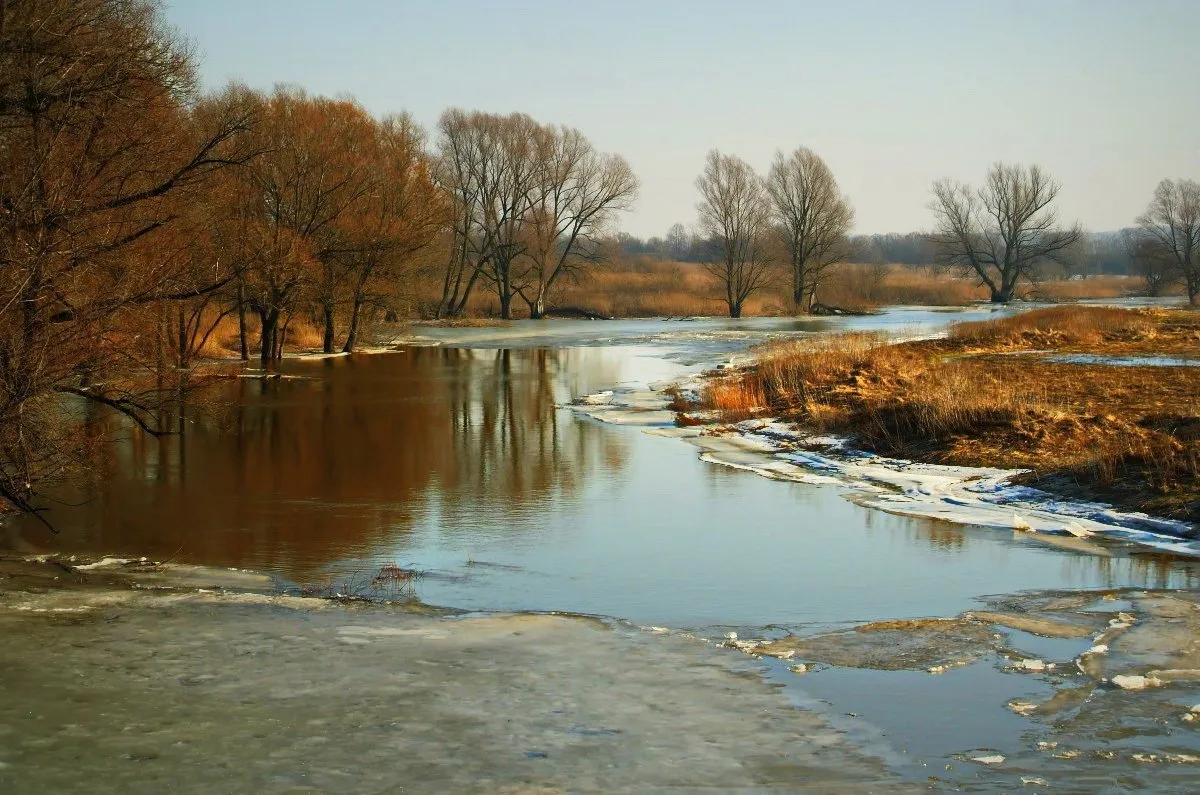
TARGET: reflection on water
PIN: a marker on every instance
(299, 473)
(462, 462)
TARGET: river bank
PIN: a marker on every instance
(1095, 404)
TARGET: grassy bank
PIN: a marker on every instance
(986, 395)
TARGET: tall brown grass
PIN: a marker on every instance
(1060, 325)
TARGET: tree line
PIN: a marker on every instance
(793, 224)
(137, 215)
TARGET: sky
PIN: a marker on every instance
(1103, 94)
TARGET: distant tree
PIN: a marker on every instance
(678, 242)
(1157, 269)
(812, 218)
(1002, 232)
(1169, 230)
(735, 212)
(575, 194)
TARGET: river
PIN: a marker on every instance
(458, 455)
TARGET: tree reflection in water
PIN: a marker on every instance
(298, 472)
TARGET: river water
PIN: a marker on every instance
(458, 455)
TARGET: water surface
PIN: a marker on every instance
(462, 460)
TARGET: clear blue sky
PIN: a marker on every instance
(1104, 94)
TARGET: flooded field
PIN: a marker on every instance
(459, 456)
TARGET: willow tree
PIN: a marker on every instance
(1169, 233)
(813, 219)
(735, 213)
(1001, 233)
(98, 147)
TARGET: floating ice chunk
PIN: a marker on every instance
(1077, 530)
(1031, 665)
(1134, 681)
(991, 759)
(1099, 648)
(598, 398)
(1022, 707)
(104, 563)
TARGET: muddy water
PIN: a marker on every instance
(461, 459)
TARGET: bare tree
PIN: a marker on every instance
(736, 214)
(574, 196)
(813, 219)
(487, 165)
(1169, 231)
(1157, 268)
(678, 242)
(1002, 232)
(310, 178)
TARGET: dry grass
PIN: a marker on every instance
(302, 335)
(651, 287)
(1127, 435)
(1091, 287)
(734, 399)
(1061, 325)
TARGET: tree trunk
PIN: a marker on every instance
(270, 321)
(505, 304)
(241, 302)
(735, 309)
(183, 338)
(803, 301)
(281, 338)
(352, 336)
(537, 308)
(327, 344)
(1002, 295)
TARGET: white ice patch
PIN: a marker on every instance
(104, 563)
(627, 406)
(978, 496)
